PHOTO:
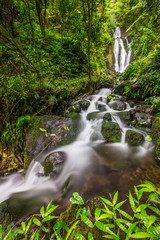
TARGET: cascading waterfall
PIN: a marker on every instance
(81, 156)
(122, 57)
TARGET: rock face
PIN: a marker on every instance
(111, 132)
(46, 133)
(125, 117)
(84, 104)
(107, 117)
(117, 105)
(155, 134)
(53, 163)
(142, 119)
(134, 138)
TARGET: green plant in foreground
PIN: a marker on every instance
(110, 221)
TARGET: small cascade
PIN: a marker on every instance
(122, 56)
(81, 156)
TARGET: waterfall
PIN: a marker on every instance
(122, 57)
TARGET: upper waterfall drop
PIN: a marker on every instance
(122, 57)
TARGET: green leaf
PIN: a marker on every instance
(152, 219)
(50, 210)
(78, 212)
(44, 229)
(76, 199)
(141, 235)
(150, 186)
(105, 228)
(23, 225)
(48, 218)
(152, 196)
(107, 202)
(132, 203)
(130, 230)
(28, 225)
(37, 222)
(118, 205)
(126, 215)
(42, 211)
(109, 237)
(79, 236)
(154, 209)
(121, 226)
(43, 130)
(90, 236)
(86, 220)
(115, 198)
(97, 213)
(71, 229)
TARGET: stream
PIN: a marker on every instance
(91, 166)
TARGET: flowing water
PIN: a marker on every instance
(91, 166)
(122, 56)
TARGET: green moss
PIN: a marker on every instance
(48, 168)
(134, 138)
(111, 132)
(155, 130)
(107, 117)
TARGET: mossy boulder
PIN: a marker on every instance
(121, 88)
(117, 105)
(155, 134)
(134, 138)
(142, 119)
(107, 117)
(155, 130)
(84, 104)
(111, 132)
(125, 117)
(94, 115)
(101, 107)
(114, 97)
(45, 133)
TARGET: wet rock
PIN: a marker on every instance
(114, 97)
(117, 105)
(120, 89)
(101, 107)
(107, 117)
(45, 134)
(142, 119)
(94, 115)
(125, 117)
(75, 109)
(111, 132)
(155, 134)
(84, 104)
(134, 138)
(53, 163)
(131, 103)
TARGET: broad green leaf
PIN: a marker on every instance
(44, 229)
(50, 210)
(109, 236)
(121, 226)
(76, 199)
(126, 215)
(60, 225)
(79, 236)
(28, 225)
(132, 203)
(152, 219)
(107, 202)
(115, 198)
(97, 213)
(105, 216)
(23, 225)
(86, 220)
(104, 227)
(118, 205)
(37, 222)
(141, 235)
(154, 209)
(148, 185)
(42, 211)
(90, 236)
(48, 218)
(152, 196)
(130, 230)
(78, 212)
(85, 212)
(71, 229)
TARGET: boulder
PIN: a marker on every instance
(101, 107)
(84, 104)
(155, 134)
(45, 133)
(134, 138)
(142, 119)
(111, 132)
(125, 117)
(94, 115)
(117, 105)
(107, 117)
(114, 97)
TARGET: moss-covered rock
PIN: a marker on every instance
(75, 109)
(111, 132)
(155, 130)
(125, 116)
(84, 104)
(142, 119)
(117, 105)
(94, 115)
(101, 107)
(157, 150)
(46, 133)
(134, 138)
(107, 117)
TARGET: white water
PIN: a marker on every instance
(80, 157)
(122, 56)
